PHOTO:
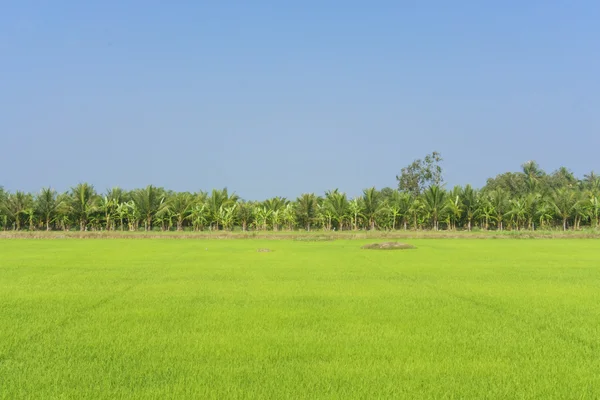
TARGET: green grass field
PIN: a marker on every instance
(164, 318)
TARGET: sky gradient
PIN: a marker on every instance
(279, 99)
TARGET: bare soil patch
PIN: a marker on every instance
(388, 246)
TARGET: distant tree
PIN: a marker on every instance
(371, 201)
(16, 206)
(434, 201)
(148, 202)
(563, 201)
(420, 174)
(47, 204)
(533, 175)
(469, 198)
(179, 205)
(306, 209)
(82, 203)
(337, 203)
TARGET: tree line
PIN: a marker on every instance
(526, 200)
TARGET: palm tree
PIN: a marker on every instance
(337, 203)
(371, 201)
(533, 175)
(306, 209)
(275, 208)
(517, 211)
(434, 199)
(454, 209)
(16, 205)
(499, 200)
(591, 182)
(594, 208)
(563, 201)
(470, 200)
(485, 210)
(532, 203)
(545, 213)
(179, 207)
(108, 205)
(199, 216)
(289, 216)
(416, 210)
(3, 216)
(47, 205)
(82, 203)
(244, 214)
(218, 199)
(355, 208)
(148, 202)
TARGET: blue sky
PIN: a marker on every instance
(272, 98)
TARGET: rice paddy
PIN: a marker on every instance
(219, 319)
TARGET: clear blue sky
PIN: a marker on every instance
(274, 98)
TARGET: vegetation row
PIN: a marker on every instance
(529, 199)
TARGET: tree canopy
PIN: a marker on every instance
(527, 199)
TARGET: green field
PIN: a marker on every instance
(166, 318)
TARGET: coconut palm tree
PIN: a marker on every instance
(517, 211)
(563, 200)
(306, 209)
(499, 200)
(47, 204)
(453, 209)
(82, 203)
(533, 175)
(275, 208)
(594, 208)
(337, 204)
(179, 206)
(434, 200)
(199, 215)
(218, 199)
(244, 214)
(470, 199)
(289, 216)
(148, 202)
(355, 208)
(16, 205)
(371, 202)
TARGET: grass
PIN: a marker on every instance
(203, 319)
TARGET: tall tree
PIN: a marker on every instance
(306, 209)
(563, 201)
(179, 206)
(469, 199)
(218, 200)
(82, 203)
(337, 203)
(16, 205)
(435, 198)
(148, 202)
(47, 205)
(533, 175)
(371, 201)
(420, 174)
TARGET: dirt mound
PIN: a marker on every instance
(264, 250)
(388, 246)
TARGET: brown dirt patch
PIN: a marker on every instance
(388, 246)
